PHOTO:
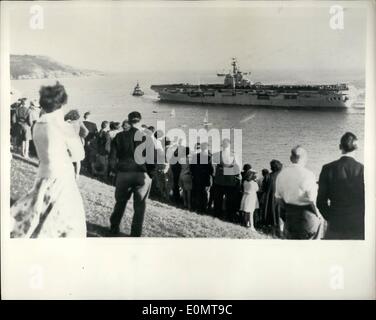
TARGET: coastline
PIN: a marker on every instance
(63, 76)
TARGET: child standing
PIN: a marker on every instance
(249, 200)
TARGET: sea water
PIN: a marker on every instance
(266, 133)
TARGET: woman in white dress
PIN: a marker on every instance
(249, 200)
(77, 139)
(53, 207)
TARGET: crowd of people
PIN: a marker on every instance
(286, 201)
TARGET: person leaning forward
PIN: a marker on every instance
(132, 176)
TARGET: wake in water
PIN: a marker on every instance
(150, 97)
(357, 97)
(248, 118)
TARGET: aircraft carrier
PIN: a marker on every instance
(237, 90)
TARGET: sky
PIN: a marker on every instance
(120, 37)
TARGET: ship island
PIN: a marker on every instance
(239, 90)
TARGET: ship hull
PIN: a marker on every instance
(242, 98)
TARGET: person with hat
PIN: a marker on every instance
(132, 176)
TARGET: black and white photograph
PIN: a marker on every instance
(243, 125)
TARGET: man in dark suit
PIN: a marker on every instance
(93, 131)
(202, 171)
(340, 196)
(91, 126)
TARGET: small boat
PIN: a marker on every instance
(137, 91)
(172, 114)
(206, 119)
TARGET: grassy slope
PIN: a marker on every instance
(161, 220)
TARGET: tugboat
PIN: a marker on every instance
(137, 91)
(237, 90)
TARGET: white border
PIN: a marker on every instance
(155, 268)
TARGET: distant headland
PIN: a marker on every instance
(43, 67)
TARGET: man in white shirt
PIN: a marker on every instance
(296, 189)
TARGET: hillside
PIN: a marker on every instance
(41, 67)
(161, 220)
